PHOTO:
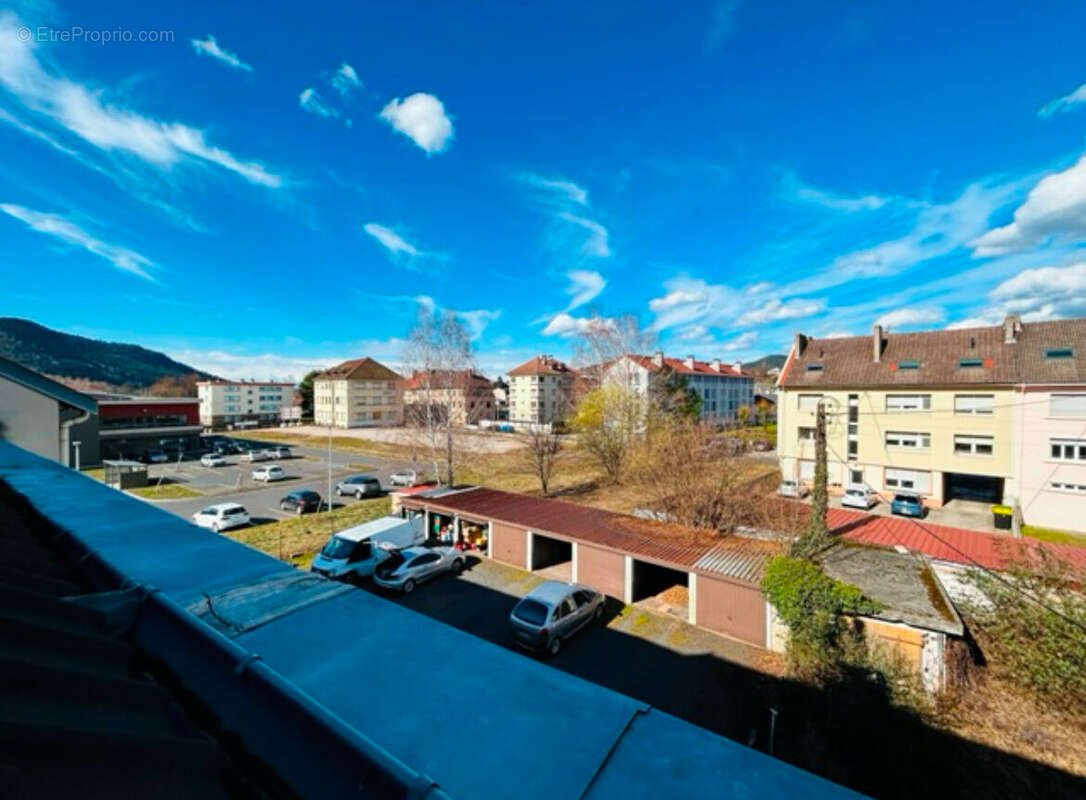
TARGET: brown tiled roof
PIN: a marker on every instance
(359, 369)
(675, 545)
(850, 361)
(446, 379)
(679, 366)
(541, 365)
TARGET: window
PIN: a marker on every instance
(1068, 449)
(1061, 486)
(908, 440)
(908, 365)
(806, 434)
(1067, 405)
(853, 448)
(806, 470)
(908, 479)
(814, 367)
(970, 363)
(809, 402)
(1059, 352)
(908, 402)
(974, 403)
(856, 477)
(973, 445)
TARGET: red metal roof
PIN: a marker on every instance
(680, 366)
(959, 545)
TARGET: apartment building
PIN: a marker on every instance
(540, 391)
(360, 393)
(723, 388)
(994, 414)
(243, 404)
(461, 397)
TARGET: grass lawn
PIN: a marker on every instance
(297, 540)
(347, 443)
(98, 473)
(167, 491)
(1053, 535)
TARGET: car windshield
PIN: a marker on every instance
(531, 611)
(904, 498)
(234, 510)
(337, 548)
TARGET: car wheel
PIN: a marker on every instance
(215, 527)
(408, 586)
(339, 492)
(358, 495)
(555, 646)
(299, 511)
(598, 613)
(458, 566)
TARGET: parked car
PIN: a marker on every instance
(213, 460)
(859, 497)
(254, 455)
(221, 516)
(405, 477)
(551, 613)
(226, 448)
(790, 488)
(405, 569)
(268, 474)
(301, 501)
(907, 504)
(359, 485)
(356, 552)
(280, 451)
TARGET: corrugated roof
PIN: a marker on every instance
(24, 376)
(746, 562)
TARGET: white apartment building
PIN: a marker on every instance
(540, 391)
(360, 393)
(243, 404)
(723, 388)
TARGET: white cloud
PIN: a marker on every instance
(836, 335)
(210, 47)
(596, 243)
(758, 288)
(565, 202)
(566, 326)
(564, 189)
(422, 118)
(678, 298)
(585, 285)
(1054, 208)
(67, 231)
(740, 342)
(345, 80)
(86, 114)
(695, 333)
(1065, 103)
(312, 102)
(1035, 294)
(907, 317)
(475, 321)
(775, 310)
(796, 189)
(392, 241)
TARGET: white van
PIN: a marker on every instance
(358, 550)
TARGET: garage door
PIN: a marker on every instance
(731, 609)
(603, 570)
(508, 545)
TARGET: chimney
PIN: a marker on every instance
(658, 358)
(799, 344)
(738, 367)
(688, 362)
(714, 365)
(877, 342)
(1012, 327)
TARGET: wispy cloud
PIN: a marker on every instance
(311, 101)
(584, 286)
(775, 310)
(565, 202)
(476, 321)
(596, 243)
(84, 113)
(911, 317)
(391, 241)
(421, 117)
(1066, 103)
(740, 342)
(345, 80)
(794, 189)
(67, 231)
(567, 326)
(562, 187)
(210, 47)
(1036, 294)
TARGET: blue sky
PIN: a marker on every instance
(278, 188)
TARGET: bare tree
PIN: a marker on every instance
(540, 451)
(439, 353)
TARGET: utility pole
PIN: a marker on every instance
(329, 467)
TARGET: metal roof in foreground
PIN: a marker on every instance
(419, 698)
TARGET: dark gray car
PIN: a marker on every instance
(360, 486)
(552, 612)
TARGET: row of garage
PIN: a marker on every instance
(715, 587)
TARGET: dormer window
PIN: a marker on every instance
(1059, 352)
(970, 363)
(908, 365)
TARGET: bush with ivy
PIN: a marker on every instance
(814, 605)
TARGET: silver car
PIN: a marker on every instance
(404, 569)
(552, 612)
(360, 486)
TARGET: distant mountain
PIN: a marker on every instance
(765, 363)
(89, 361)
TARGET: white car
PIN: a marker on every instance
(213, 460)
(859, 497)
(268, 474)
(405, 477)
(404, 569)
(255, 455)
(282, 451)
(222, 516)
(790, 488)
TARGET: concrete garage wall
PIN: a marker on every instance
(509, 544)
(602, 570)
(731, 609)
(31, 420)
